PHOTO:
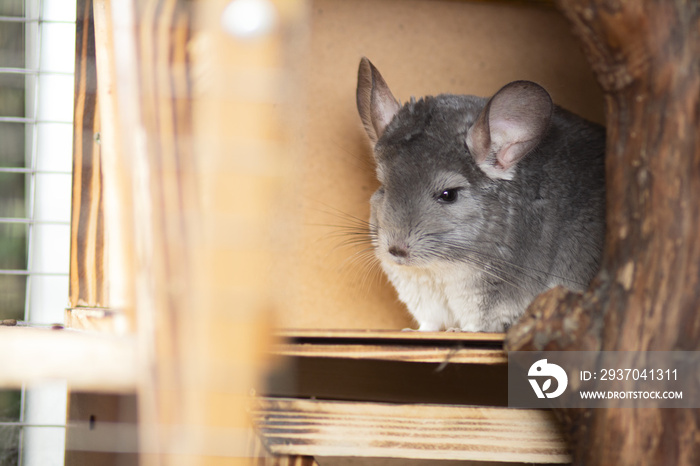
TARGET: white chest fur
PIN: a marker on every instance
(446, 299)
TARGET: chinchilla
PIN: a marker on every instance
(484, 202)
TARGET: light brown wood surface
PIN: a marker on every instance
(388, 335)
(88, 284)
(387, 345)
(332, 428)
(393, 353)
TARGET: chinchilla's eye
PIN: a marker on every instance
(448, 196)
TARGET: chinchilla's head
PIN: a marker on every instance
(440, 161)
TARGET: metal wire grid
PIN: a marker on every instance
(34, 17)
(32, 124)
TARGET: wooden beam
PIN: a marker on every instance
(89, 362)
(441, 432)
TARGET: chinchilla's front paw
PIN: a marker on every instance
(429, 327)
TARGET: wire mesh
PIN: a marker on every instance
(36, 88)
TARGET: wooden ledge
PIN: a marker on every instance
(447, 432)
(387, 345)
(390, 335)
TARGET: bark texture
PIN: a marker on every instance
(646, 55)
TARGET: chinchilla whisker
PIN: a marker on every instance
(475, 260)
(348, 227)
(338, 241)
(350, 242)
(336, 226)
(440, 235)
(373, 274)
(526, 270)
(491, 265)
(360, 253)
(500, 277)
(530, 272)
(345, 230)
(364, 262)
(350, 231)
(337, 213)
(496, 272)
(502, 268)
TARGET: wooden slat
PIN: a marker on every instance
(394, 353)
(89, 362)
(444, 432)
(389, 335)
(87, 282)
(387, 345)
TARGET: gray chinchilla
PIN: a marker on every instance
(484, 202)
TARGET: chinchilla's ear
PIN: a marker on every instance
(512, 124)
(375, 103)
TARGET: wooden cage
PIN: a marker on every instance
(216, 315)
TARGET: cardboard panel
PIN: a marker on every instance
(420, 47)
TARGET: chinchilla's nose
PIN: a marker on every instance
(398, 251)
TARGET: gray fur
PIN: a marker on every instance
(512, 233)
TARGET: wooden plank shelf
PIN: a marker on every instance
(421, 431)
(391, 335)
(386, 345)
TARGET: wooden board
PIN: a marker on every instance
(358, 334)
(386, 345)
(445, 432)
(394, 353)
